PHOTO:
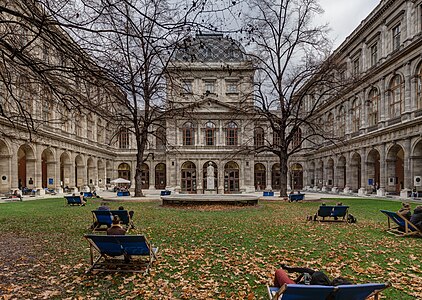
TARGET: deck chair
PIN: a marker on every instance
(322, 292)
(403, 226)
(112, 252)
(335, 213)
(100, 218)
(124, 217)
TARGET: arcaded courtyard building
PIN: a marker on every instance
(381, 119)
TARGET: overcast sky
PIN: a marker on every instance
(344, 16)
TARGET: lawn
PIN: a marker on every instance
(203, 253)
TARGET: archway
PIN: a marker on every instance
(5, 185)
(79, 171)
(123, 171)
(417, 167)
(341, 172)
(395, 169)
(47, 169)
(188, 184)
(65, 168)
(355, 178)
(205, 172)
(160, 176)
(297, 176)
(26, 167)
(145, 176)
(373, 169)
(231, 177)
(275, 177)
(260, 177)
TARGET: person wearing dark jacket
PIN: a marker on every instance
(116, 228)
(307, 276)
(416, 218)
(404, 211)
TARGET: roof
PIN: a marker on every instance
(210, 48)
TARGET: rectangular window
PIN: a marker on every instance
(231, 136)
(231, 87)
(188, 136)
(396, 37)
(209, 136)
(374, 55)
(187, 87)
(210, 87)
(356, 67)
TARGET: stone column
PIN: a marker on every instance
(13, 170)
(199, 176)
(151, 176)
(383, 101)
(407, 90)
(363, 172)
(335, 179)
(268, 175)
(220, 177)
(407, 180)
(383, 171)
(348, 180)
(57, 184)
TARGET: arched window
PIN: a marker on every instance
(396, 96)
(341, 121)
(100, 131)
(259, 137)
(90, 124)
(209, 134)
(356, 110)
(231, 134)
(329, 125)
(78, 127)
(373, 103)
(123, 138)
(47, 105)
(276, 139)
(188, 134)
(419, 88)
(160, 138)
(297, 138)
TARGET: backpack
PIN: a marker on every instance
(351, 219)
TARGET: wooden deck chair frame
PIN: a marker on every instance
(409, 228)
(101, 261)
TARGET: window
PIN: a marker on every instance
(356, 66)
(259, 137)
(160, 138)
(231, 134)
(78, 126)
(396, 37)
(124, 138)
(209, 87)
(329, 125)
(374, 55)
(419, 89)
(341, 121)
(188, 134)
(396, 95)
(209, 134)
(231, 87)
(187, 87)
(373, 102)
(356, 108)
(100, 131)
(297, 138)
(276, 139)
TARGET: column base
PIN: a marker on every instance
(334, 190)
(381, 192)
(405, 193)
(347, 190)
(362, 192)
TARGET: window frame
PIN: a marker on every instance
(396, 37)
(232, 134)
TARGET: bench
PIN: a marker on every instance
(268, 193)
(165, 193)
(88, 195)
(296, 197)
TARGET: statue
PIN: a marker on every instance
(210, 177)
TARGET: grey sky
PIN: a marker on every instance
(344, 16)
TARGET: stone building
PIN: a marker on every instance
(381, 118)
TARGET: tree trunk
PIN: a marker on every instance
(283, 174)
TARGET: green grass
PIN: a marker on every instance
(226, 254)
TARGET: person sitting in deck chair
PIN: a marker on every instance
(404, 211)
(307, 276)
(103, 206)
(81, 195)
(116, 228)
(416, 218)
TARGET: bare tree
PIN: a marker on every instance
(295, 75)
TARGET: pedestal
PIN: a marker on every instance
(362, 192)
(381, 192)
(334, 190)
(405, 193)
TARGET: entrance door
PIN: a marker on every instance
(188, 183)
(231, 178)
(160, 176)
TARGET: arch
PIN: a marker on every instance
(260, 177)
(48, 170)
(205, 172)
(26, 166)
(65, 169)
(188, 184)
(123, 171)
(160, 176)
(395, 169)
(276, 176)
(373, 103)
(396, 96)
(145, 176)
(5, 184)
(91, 172)
(341, 172)
(231, 177)
(209, 133)
(355, 178)
(373, 168)
(79, 171)
(296, 176)
(259, 137)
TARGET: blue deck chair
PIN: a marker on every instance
(73, 200)
(340, 211)
(321, 292)
(100, 218)
(105, 251)
(335, 213)
(403, 226)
